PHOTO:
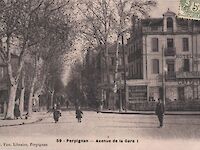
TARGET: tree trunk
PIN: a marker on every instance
(12, 85)
(11, 102)
(107, 74)
(21, 102)
(5, 108)
(41, 88)
(30, 100)
(52, 94)
(116, 82)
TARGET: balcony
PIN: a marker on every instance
(170, 51)
(183, 29)
(154, 29)
(170, 76)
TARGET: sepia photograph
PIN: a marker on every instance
(99, 74)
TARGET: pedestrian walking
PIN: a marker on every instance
(56, 114)
(79, 114)
(160, 110)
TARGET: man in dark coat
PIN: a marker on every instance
(160, 110)
(79, 114)
(56, 114)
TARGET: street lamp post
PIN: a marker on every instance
(164, 70)
(164, 85)
(124, 67)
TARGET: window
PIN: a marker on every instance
(185, 44)
(155, 66)
(154, 44)
(186, 65)
(169, 24)
(170, 66)
(181, 93)
(170, 43)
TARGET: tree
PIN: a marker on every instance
(97, 28)
(10, 15)
(57, 42)
(74, 86)
(105, 21)
(22, 92)
(27, 24)
(124, 9)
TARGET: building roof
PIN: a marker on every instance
(159, 22)
(169, 13)
(152, 22)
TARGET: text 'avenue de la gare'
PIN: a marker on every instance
(98, 141)
(118, 141)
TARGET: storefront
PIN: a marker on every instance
(137, 94)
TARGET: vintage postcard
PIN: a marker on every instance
(99, 74)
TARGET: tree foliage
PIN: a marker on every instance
(106, 21)
(34, 28)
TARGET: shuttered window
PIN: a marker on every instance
(155, 66)
(154, 43)
(185, 44)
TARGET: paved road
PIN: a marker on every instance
(109, 127)
(103, 125)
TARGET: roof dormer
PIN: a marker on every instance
(169, 21)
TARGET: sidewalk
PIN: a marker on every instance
(152, 112)
(36, 117)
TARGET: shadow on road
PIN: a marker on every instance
(166, 123)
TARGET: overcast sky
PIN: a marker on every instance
(162, 7)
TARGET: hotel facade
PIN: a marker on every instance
(163, 62)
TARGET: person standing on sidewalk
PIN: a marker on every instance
(160, 110)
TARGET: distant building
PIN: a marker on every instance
(95, 59)
(163, 60)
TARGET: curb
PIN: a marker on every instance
(23, 123)
(147, 113)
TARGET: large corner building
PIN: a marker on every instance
(163, 61)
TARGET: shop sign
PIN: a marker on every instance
(137, 93)
(188, 81)
(191, 75)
